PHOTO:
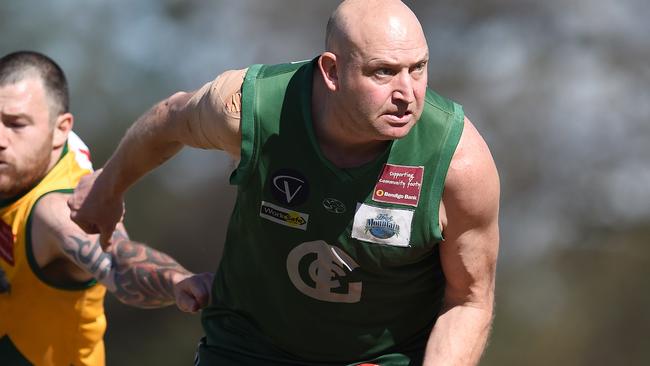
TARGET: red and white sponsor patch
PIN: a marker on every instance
(6, 243)
(399, 184)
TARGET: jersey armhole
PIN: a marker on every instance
(449, 144)
(31, 259)
(249, 129)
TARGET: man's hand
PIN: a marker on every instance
(193, 293)
(93, 211)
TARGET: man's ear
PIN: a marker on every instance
(62, 126)
(329, 70)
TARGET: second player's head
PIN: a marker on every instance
(34, 119)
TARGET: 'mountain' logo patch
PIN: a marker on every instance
(382, 226)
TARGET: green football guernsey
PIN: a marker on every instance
(328, 266)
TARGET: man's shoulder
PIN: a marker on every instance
(49, 221)
(472, 178)
(263, 71)
(51, 212)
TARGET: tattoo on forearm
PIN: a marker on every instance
(142, 276)
(90, 256)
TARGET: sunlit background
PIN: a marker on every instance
(559, 89)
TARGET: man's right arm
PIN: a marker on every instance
(208, 118)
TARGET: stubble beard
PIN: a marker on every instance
(17, 182)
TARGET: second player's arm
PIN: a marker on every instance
(135, 273)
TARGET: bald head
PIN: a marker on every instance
(358, 24)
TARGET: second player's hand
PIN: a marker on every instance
(193, 293)
(93, 211)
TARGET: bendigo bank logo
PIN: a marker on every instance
(282, 216)
(399, 184)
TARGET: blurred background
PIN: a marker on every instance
(560, 89)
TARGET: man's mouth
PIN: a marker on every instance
(399, 117)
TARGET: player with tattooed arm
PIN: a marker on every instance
(53, 276)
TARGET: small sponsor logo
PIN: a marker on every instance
(382, 226)
(7, 239)
(399, 184)
(289, 187)
(283, 216)
(333, 205)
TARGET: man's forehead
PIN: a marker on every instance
(392, 55)
(16, 97)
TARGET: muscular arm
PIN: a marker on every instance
(208, 118)
(136, 274)
(468, 254)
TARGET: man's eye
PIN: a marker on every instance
(16, 124)
(420, 66)
(384, 72)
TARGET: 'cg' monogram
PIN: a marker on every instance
(327, 270)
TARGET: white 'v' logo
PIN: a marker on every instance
(288, 185)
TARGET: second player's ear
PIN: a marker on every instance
(329, 70)
(62, 126)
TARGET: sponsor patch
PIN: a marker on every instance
(399, 184)
(390, 226)
(283, 216)
(6, 243)
(289, 187)
(334, 206)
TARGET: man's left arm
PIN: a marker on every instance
(469, 215)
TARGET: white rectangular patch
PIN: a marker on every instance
(390, 226)
(284, 216)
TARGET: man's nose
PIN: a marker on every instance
(4, 136)
(404, 87)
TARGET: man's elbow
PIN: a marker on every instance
(175, 106)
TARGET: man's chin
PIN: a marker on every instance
(10, 187)
(397, 131)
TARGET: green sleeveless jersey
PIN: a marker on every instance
(325, 265)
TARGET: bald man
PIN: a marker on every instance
(365, 230)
